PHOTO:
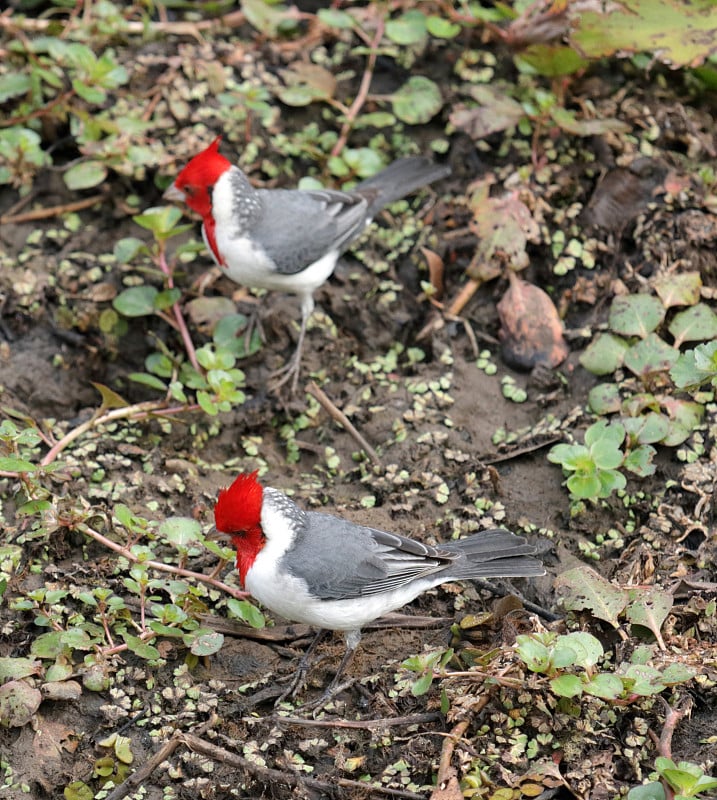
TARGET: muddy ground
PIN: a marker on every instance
(439, 471)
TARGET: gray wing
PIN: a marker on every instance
(379, 561)
(299, 227)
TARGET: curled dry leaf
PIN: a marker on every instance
(531, 331)
(623, 192)
(435, 271)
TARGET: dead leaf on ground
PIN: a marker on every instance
(531, 331)
(622, 193)
(435, 271)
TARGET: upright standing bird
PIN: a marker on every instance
(287, 239)
(325, 571)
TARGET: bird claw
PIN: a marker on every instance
(289, 372)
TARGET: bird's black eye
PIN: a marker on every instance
(189, 190)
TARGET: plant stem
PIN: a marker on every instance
(360, 98)
(138, 410)
(159, 565)
(178, 316)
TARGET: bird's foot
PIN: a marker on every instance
(333, 691)
(289, 372)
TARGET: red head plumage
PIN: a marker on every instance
(197, 179)
(238, 513)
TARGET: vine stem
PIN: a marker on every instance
(360, 98)
(160, 566)
(136, 411)
(178, 316)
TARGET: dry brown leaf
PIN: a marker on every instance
(531, 330)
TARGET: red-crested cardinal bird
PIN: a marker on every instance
(287, 239)
(331, 573)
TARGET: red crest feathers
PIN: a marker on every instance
(238, 508)
(199, 176)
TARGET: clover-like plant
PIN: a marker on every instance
(593, 468)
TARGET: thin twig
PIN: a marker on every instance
(360, 724)
(138, 410)
(136, 27)
(142, 774)
(360, 98)
(52, 211)
(276, 777)
(336, 414)
(159, 565)
(178, 315)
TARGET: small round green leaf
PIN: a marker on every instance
(408, 29)
(137, 301)
(417, 101)
(85, 175)
(636, 314)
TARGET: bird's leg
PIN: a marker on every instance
(300, 674)
(290, 371)
(335, 688)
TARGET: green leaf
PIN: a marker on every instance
(126, 249)
(677, 33)
(15, 464)
(605, 434)
(335, 18)
(14, 668)
(137, 301)
(636, 314)
(246, 612)
(639, 461)
(422, 685)
(604, 398)
(648, 428)
(567, 686)
(549, 60)
(167, 298)
(204, 642)
(182, 532)
(141, 648)
(48, 645)
(610, 481)
(159, 219)
(644, 680)
(417, 101)
(648, 791)
(650, 355)
(586, 648)
(148, 380)
(408, 29)
(604, 354)
(649, 608)
(535, 654)
(78, 790)
(582, 588)
(682, 289)
(230, 335)
(584, 485)
(442, 28)
(85, 175)
(18, 703)
(14, 84)
(695, 324)
(604, 685)
(207, 403)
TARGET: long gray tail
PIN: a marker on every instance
(493, 554)
(399, 179)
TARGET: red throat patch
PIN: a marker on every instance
(238, 513)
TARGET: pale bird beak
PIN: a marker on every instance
(174, 195)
